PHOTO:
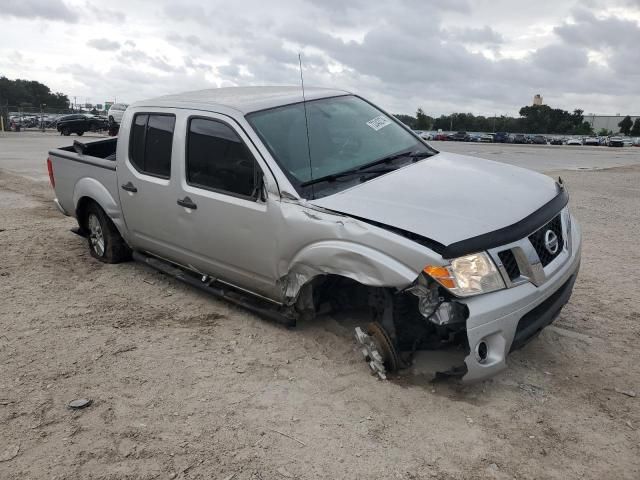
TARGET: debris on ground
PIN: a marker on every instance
(79, 403)
(628, 393)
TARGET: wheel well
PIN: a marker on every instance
(334, 293)
(81, 211)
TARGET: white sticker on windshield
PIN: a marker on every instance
(379, 122)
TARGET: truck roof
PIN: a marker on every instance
(243, 99)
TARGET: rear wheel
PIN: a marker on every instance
(105, 242)
(80, 133)
(66, 132)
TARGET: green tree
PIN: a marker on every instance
(583, 129)
(603, 132)
(30, 93)
(635, 131)
(423, 121)
(625, 125)
(408, 120)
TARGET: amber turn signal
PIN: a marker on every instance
(441, 274)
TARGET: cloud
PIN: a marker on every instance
(485, 35)
(480, 56)
(139, 58)
(104, 14)
(103, 44)
(589, 31)
(38, 9)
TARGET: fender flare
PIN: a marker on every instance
(91, 188)
(358, 262)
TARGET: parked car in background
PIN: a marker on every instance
(636, 142)
(615, 142)
(556, 141)
(539, 140)
(501, 137)
(487, 138)
(441, 136)
(459, 137)
(80, 123)
(115, 112)
(426, 136)
(520, 138)
(574, 141)
(591, 141)
(627, 142)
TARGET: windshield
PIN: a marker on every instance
(345, 133)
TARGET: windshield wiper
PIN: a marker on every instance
(346, 173)
(364, 169)
(390, 158)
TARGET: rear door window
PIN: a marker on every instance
(151, 142)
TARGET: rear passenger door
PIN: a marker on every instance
(147, 191)
(230, 229)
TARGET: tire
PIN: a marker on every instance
(80, 133)
(111, 120)
(65, 131)
(103, 238)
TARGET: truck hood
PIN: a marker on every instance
(447, 198)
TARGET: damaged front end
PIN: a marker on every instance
(423, 316)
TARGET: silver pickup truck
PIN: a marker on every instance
(294, 205)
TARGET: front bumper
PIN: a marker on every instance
(507, 319)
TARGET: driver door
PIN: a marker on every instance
(228, 224)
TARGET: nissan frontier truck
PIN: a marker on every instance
(292, 205)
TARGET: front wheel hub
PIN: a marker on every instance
(377, 349)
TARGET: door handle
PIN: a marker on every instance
(186, 202)
(129, 187)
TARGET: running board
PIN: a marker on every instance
(253, 304)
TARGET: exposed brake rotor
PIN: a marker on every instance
(378, 349)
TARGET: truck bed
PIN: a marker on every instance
(105, 149)
(83, 168)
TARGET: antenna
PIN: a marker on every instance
(306, 121)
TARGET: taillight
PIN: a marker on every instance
(50, 170)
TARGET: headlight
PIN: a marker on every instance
(468, 275)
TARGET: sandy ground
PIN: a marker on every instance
(186, 386)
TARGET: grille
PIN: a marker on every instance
(537, 240)
(509, 263)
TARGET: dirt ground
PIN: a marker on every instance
(186, 386)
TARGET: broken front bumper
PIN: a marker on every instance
(502, 321)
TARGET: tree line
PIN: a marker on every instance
(629, 127)
(29, 93)
(541, 119)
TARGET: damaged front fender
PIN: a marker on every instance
(359, 263)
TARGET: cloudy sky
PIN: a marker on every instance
(482, 56)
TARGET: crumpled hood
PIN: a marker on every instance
(447, 197)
